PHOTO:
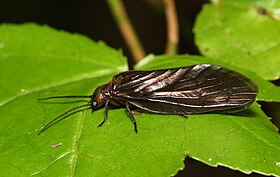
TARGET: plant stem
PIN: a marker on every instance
(127, 30)
(172, 27)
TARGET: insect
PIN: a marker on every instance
(200, 88)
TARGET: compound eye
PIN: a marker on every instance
(94, 103)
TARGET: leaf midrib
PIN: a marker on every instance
(76, 144)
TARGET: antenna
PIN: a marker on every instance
(60, 117)
(72, 96)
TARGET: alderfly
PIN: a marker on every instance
(200, 88)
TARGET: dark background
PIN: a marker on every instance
(94, 19)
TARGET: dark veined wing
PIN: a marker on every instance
(195, 89)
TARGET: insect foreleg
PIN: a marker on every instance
(131, 116)
(184, 116)
(106, 107)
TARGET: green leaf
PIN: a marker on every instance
(243, 33)
(245, 141)
(32, 59)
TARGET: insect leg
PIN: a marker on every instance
(105, 113)
(184, 116)
(131, 116)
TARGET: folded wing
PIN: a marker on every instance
(196, 89)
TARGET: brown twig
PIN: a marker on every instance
(127, 29)
(172, 27)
